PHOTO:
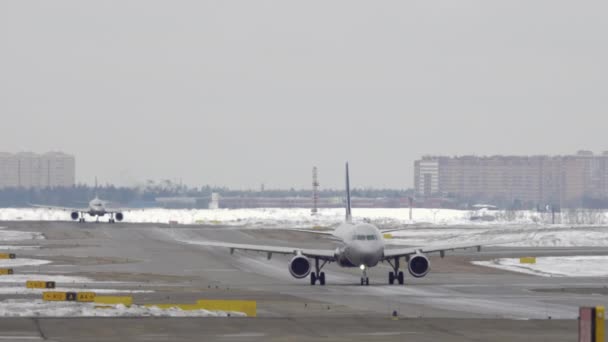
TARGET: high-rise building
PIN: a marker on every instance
(556, 180)
(31, 170)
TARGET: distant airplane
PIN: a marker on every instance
(362, 245)
(97, 208)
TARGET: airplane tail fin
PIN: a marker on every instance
(348, 212)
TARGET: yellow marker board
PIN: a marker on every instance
(85, 297)
(527, 260)
(114, 300)
(6, 271)
(54, 296)
(39, 284)
(249, 307)
(599, 324)
(7, 256)
(185, 307)
(388, 236)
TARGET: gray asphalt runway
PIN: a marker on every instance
(457, 301)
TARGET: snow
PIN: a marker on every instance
(22, 290)
(574, 266)
(22, 278)
(14, 235)
(39, 308)
(8, 263)
(300, 217)
(521, 236)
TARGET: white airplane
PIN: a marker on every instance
(97, 208)
(361, 245)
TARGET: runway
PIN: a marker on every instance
(457, 301)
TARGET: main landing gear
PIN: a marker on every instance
(112, 220)
(364, 277)
(396, 275)
(318, 275)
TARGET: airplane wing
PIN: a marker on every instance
(59, 208)
(323, 254)
(399, 252)
(327, 234)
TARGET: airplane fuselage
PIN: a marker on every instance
(363, 245)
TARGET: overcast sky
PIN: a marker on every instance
(240, 93)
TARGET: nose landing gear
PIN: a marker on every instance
(364, 277)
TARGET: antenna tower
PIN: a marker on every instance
(315, 192)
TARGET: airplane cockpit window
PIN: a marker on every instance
(371, 237)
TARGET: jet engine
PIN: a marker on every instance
(74, 215)
(419, 265)
(299, 267)
(119, 216)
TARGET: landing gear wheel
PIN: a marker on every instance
(362, 281)
(322, 278)
(400, 278)
(366, 281)
(391, 278)
(313, 278)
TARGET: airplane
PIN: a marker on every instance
(97, 208)
(361, 245)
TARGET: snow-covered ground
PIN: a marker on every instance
(576, 266)
(520, 236)
(39, 308)
(14, 235)
(300, 217)
(22, 290)
(8, 263)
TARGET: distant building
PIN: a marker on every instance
(31, 170)
(540, 180)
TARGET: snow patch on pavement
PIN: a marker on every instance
(22, 278)
(39, 308)
(15, 235)
(575, 266)
(13, 290)
(7, 263)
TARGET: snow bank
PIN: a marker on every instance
(576, 266)
(39, 308)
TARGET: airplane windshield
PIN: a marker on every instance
(364, 237)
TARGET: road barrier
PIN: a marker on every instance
(249, 307)
(6, 271)
(527, 260)
(7, 256)
(39, 284)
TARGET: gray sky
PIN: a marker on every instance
(238, 93)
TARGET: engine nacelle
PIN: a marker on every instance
(74, 215)
(419, 265)
(299, 267)
(119, 216)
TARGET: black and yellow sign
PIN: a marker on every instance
(85, 297)
(7, 256)
(38, 284)
(6, 271)
(54, 296)
(71, 296)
